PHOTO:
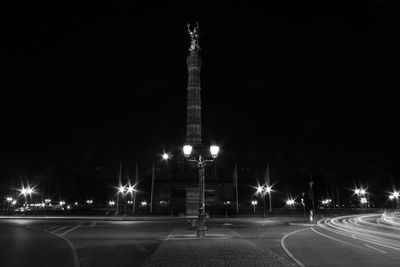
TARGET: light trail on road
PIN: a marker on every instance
(377, 229)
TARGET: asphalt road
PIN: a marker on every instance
(141, 242)
(366, 240)
(357, 240)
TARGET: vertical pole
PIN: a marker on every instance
(263, 194)
(236, 188)
(153, 177)
(201, 216)
(270, 203)
(117, 206)
(134, 192)
(337, 195)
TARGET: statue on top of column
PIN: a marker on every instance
(194, 36)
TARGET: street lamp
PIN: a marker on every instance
(165, 156)
(254, 203)
(201, 164)
(395, 195)
(290, 202)
(263, 190)
(120, 190)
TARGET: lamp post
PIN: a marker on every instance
(201, 164)
(121, 190)
(396, 196)
(254, 203)
(263, 190)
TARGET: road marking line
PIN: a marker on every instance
(59, 229)
(71, 246)
(327, 236)
(384, 252)
(70, 230)
(287, 251)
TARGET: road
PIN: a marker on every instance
(367, 240)
(89, 241)
(356, 240)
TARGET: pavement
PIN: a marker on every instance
(369, 240)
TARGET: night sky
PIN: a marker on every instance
(307, 87)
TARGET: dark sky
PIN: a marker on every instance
(300, 85)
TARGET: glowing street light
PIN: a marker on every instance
(254, 203)
(143, 203)
(111, 203)
(290, 202)
(165, 156)
(62, 203)
(187, 150)
(89, 201)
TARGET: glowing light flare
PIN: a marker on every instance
(214, 151)
(143, 203)
(254, 202)
(187, 150)
(165, 156)
(290, 202)
(396, 194)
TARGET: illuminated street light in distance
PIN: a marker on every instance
(143, 203)
(165, 156)
(290, 202)
(9, 199)
(131, 188)
(260, 189)
(187, 150)
(29, 190)
(396, 194)
(62, 203)
(121, 189)
(254, 202)
(89, 201)
(357, 191)
(47, 200)
(363, 191)
(391, 197)
(214, 151)
(268, 189)
(363, 200)
(76, 203)
(111, 203)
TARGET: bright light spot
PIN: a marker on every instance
(260, 189)
(89, 201)
(68, 207)
(76, 203)
(357, 191)
(290, 202)
(61, 203)
(363, 200)
(111, 203)
(187, 150)
(165, 156)
(254, 202)
(14, 202)
(9, 199)
(29, 190)
(143, 203)
(396, 194)
(47, 200)
(131, 188)
(121, 189)
(214, 151)
(268, 189)
(391, 197)
(362, 191)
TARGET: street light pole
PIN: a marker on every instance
(201, 163)
(202, 217)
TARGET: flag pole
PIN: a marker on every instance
(236, 188)
(153, 177)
